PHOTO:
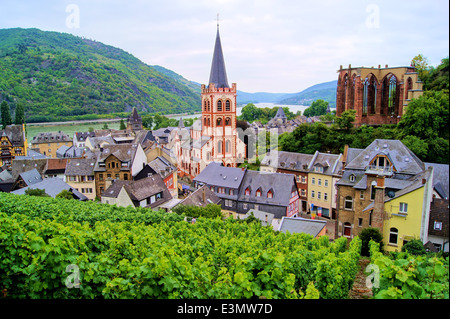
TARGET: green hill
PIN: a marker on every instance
(325, 91)
(59, 76)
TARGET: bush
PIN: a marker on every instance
(368, 234)
(414, 247)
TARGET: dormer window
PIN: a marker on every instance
(247, 191)
(270, 194)
(352, 178)
(258, 192)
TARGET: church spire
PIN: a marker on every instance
(218, 74)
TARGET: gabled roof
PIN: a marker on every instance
(312, 227)
(14, 133)
(201, 197)
(403, 159)
(217, 175)
(80, 167)
(52, 186)
(218, 74)
(440, 178)
(288, 160)
(31, 177)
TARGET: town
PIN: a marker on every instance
(384, 186)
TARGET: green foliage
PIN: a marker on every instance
(65, 194)
(20, 114)
(58, 75)
(368, 234)
(5, 114)
(36, 192)
(414, 247)
(121, 257)
(209, 211)
(251, 113)
(318, 107)
(345, 121)
(409, 276)
(122, 125)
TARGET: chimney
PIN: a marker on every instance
(204, 195)
(378, 206)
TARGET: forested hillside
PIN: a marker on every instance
(56, 75)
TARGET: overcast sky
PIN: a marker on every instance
(269, 45)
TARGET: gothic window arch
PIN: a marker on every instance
(228, 146)
(209, 121)
(369, 94)
(219, 106)
(209, 106)
(227, 105)
(220, 147)
(227, 121)
(352, 93)
(389, 98)
(219, 121)
(205, 103)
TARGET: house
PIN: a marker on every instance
(52, 186)
(13, 142)
(325, 170)
(438, 226)
(275, 193)
(55, 167)
(79, 175)
(27, 178)
(148, 192)
(224, 181)
(117, 162)
(387, 187)
(49, 142)
(313, 227)
(201, 197)
(79, 138)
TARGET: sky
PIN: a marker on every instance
(277, 46)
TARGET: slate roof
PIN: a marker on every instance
(162, 166)
(196, 198)
(82, 136)
(80, 167)
(403, 159)
(280, 184)
(23, 165)
(51, 137)
(440, 178)
(31, 177)
(218, 74)
(123, 152)
(288, 160)
(217, 175)
(302, 225)
(15, 134)
(52, 186)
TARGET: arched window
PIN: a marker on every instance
(247, 191)
(205, 121)
(365, 96)
(209, 122)
(348, 204)
(219, 105)
(209, 106)
(270, 194)
(219, 121)
(227, 146)
(389, 95)
(258, 192)
(227, 121)
(373, 94)
(220, 147)
(208, 156)
(351, 99)
(347, 229)
(392, 94)
(372, 190)
(205, 105)
(228, 105)
(393, 236)
(344, 91)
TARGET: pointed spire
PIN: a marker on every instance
(181, 123)
(218, 74)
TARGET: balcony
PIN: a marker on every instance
(379, 170)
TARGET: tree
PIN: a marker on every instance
(250, 113)
(20, 114)
(105, 126)
(36, 192)
(439, 77)
(417, 146)
(368, 234)
(318, 107)
(5, 114)
(422, 67)
(122, 125)
(414, 247)
(65, 194)
(345, 121)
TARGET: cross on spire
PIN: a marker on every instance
(217, 21)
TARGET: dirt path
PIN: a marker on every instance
(359, 289)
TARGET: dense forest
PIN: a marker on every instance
(58, 76)
(423, 128)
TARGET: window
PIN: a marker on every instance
(247, 191)
(393, 236)
(231, 192)
(303, 192)
(325, 196)
(100, 177)
(221, 190)
(313, 194)
(125, 176)
(72, 178)
(319, 195)
(219, 121)
(370, 218)
(244, 205)
(117, 176)
(258, 192)
(319, 182)
(298, 178)
(270, 194)
(361, 195)
(313, 181)
(372, 190)
(227, 121)
(303, 179)
(360, 221)
(347, 229)
(228, 105)
(403, 208)
(352, 178)
(348, 204)
(227, 146)
(325, 183)
(219, 105)
(219, 147)
(437, 225)
(212, 188)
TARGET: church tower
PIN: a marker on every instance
(219, 110)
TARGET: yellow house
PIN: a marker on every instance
(49, 142)
(406, 212)
(13, 142)
(321, 190)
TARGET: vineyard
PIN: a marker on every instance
(155, 255)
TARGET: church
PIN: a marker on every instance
(214, 136)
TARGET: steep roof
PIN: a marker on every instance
(302, 225)
(218, 74)
(201, 197)
(80, 167)
(440, 178)
(217, 175)
(404, 160)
